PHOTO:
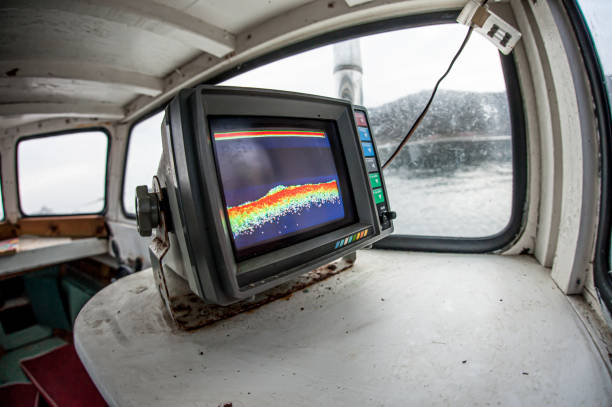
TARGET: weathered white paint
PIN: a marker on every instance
(117, 157)
(236, 15)
(526, 240)
(131, 244)
(60, 90)
(352, 3)
(575, 155)
(400, 329)
(41, 34)
(194, 31)
(126, 45)
(545, 117)
(83, 71)
(51, 109)
(123, 230)
(9, 182)
(39, 252)
(146, 15)
(52, 125)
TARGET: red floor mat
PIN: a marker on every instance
(61, 379)
(18, 395)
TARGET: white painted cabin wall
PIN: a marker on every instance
(583, 188)
(123, 230)
(568, 208)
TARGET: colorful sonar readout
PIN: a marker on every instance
(277, 182)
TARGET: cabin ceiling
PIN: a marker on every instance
(114, 59)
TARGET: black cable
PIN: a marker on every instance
(433, 94)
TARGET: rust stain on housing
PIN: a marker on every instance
(190, 312)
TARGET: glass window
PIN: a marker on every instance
(454, 178)
(63, 174)
(597, 14)
(144, 152)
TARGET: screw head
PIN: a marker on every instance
(147, 210)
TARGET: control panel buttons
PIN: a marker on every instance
(379, 196)
(374, 173)
(371, 165)
(368, 149)
(375, 180)
(360, 118)
(364, 134)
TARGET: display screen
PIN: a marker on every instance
(282, 181)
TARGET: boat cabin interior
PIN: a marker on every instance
(305, 202)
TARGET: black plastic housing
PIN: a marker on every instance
(217, 276)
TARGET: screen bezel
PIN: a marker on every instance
(331, 130)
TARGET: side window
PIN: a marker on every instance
(454, 178)
(63, 174)
(597, 15)
(144, 151)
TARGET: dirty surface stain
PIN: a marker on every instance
(138, 289)
(190, 312)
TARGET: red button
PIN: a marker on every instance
(360, 118)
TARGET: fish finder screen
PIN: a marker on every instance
(282, 181)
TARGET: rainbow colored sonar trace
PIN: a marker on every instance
(237, 135)
(281, 202)
(279, 184)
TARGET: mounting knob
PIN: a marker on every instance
(147, 210)
(388, 216)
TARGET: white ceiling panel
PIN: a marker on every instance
(48, 34)
(67, 58)
(28, 89)
(234, 15)
(79, 70)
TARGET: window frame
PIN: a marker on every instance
(599, 91)
(513, 230)
(101, 129)
(136, 122)
(505, 237)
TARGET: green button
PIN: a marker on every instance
(379, 197)
(375, 180)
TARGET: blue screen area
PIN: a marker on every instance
(276, 182)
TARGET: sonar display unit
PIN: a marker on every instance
(256, 186)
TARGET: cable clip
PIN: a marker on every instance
(490, 25)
